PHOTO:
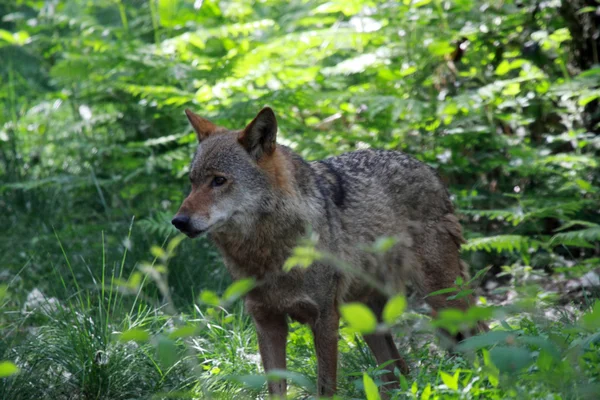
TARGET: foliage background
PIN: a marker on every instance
(500, 97)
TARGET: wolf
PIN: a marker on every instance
(255, 199)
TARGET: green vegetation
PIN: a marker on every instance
(101, 300)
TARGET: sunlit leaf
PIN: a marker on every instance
(7, 369)
(450, 380)
(209, 297)
(394, 308)
(135, 335)
(359, 317)
(426, 392)
(238, 289)
(303, 257)
(371, 390)
(440, 48)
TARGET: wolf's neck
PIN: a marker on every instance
(265, 248)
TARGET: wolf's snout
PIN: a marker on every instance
(181, 222)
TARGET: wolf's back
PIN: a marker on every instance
(365, 183)
(381, 193)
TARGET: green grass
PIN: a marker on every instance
(73, 347)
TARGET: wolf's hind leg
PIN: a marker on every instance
(445, 278)
(383, 347)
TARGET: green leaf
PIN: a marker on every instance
(592, 72)
(540, 342)
(545, 361)
(303, 257)
(166, 352)
(450, 380)
(426, 392)
(238, 289)
(403, 383)
(588, 235)
(506, 66)
(158, 252)
(479, 274)
(591, 319)
(454, 320)
(440, 48)
(588, 9)
(383, 244)
(484, 340)
(371, 389)
(173, 243)
(588, 98)
(6, 36)
(442, 291)
(421, 3)
(461, 294)
(135, 279)
(209, 297)
(510, 359)
(255, 382)
(3, 291)
(491, 371)
(394, 308)
(359, 317)
(167, 11)
(184, 331)
(408, 71)
(501, 243)
(135, 335)
(17, 38)
(293, 377)
(512, 89)
(7, 369)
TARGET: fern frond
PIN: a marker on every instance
(501, 243)
(584, 237)
(159, 223)
(515, 216)
(575, 222)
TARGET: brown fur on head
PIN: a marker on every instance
(233, 174)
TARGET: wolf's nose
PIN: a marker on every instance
(181, 222)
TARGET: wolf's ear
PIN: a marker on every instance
(260, 134)
(203, 127)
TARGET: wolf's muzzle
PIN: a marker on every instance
(181, 222)
(186, 226)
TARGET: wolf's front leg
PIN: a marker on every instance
(325, 331)
(272, 336)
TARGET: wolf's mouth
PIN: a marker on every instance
(192, 232)
(195, 234)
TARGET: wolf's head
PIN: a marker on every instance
(233, 174)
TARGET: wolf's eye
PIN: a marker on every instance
(218, 181)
